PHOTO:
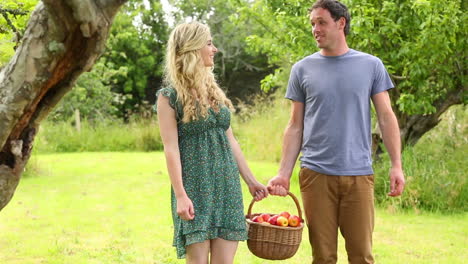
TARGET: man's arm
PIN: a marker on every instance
(391, 137)
(279, 185)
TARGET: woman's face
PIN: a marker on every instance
(207, 53)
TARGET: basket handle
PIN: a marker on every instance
(249, 212)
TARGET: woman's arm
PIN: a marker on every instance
(168, 130)
(258, 190)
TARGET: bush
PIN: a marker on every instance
(141, 135)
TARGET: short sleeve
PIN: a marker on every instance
(382, 80)
(169, 93)
(294, 91)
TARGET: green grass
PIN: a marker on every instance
(114, 208)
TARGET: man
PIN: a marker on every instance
(330, 124)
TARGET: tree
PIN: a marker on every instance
(91, 96)
(61, 41)
(137, 46)
(422, 43)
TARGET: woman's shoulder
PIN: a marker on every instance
(167, 91)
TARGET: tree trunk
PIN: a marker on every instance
(62, 40)
(415, 126)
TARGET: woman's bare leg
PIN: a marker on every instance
(198, 253)
(223, 251)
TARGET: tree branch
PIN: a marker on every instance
(14, 12)
(399, 78)
(416, 125)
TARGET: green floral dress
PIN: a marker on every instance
(210, 177)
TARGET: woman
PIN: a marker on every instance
(203, 157)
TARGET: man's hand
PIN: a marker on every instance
(278, 185)
(397, 182)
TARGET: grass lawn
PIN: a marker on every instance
(115, 208)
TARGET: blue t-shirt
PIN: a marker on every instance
(336, 93)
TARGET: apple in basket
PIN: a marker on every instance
(258, 219)
(265, 217)
(294, 221)
(282, 221)
(285, 214)
(273, 219)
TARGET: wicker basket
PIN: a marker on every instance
(273, 242)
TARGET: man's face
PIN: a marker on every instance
(325, 30)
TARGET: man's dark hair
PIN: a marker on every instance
(336, 9)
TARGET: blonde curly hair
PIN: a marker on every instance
(186, 73)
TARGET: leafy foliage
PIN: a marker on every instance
(13, 18)
(92, 96)
(136, 47)
(422, 41)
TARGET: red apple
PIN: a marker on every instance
(294, 220)
(258, 219)
(265, 217)
(272, 219)
(282, 221)
(285, 214)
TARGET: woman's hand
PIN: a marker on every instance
(258, 191)
(185, 208)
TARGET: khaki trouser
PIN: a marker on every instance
(344, 202)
